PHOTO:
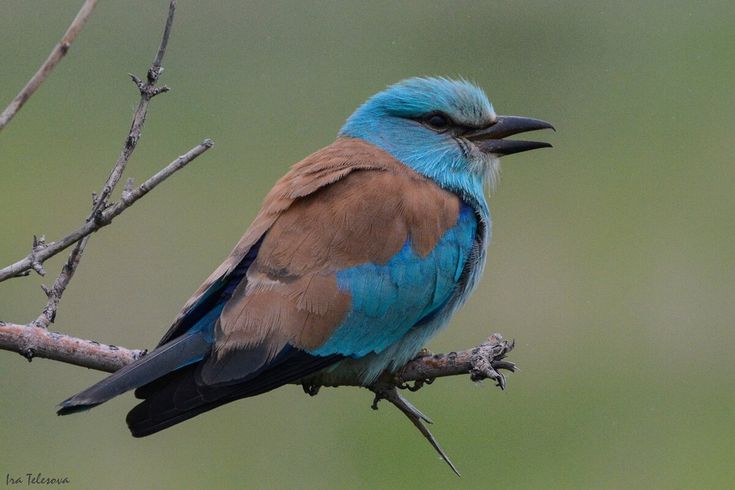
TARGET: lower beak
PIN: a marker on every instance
(490, 139)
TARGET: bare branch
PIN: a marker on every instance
(57, 290)
(156, 68)
(480, 362)
(33, 342)
(57, 53)
(99, 202)
(147, 92)
(105, 217)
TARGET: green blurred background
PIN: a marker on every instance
(612, 260)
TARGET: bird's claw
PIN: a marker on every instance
(487, 360)
(417, 385)
(423, 353)
(311, 389)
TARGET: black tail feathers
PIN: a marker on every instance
(163, 360)
(180, 395)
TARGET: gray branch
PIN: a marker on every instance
(105, 217)
(40, 251)
(31, 342)
(33, 339)
(484, 361)
(57, 53)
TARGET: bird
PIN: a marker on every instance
(360, 254)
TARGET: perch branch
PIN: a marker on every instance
(30, 342)
(482, 362)
(57, 53)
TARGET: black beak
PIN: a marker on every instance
(490, 139)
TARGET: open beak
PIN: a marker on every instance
(490, 139)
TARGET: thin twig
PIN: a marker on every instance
(105, 217)
(38, 255)
(147, 92)
(100, 201)
(54, 293)
(156, 69)
(57, 53)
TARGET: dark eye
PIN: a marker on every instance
(437, 122)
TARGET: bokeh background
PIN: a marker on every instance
(612, 260)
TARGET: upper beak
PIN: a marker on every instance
(490, 139)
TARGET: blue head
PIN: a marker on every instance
(444, 129)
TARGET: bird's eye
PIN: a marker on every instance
(437, 122)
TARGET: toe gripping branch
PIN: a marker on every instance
(482, 362)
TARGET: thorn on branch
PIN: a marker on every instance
(99, 218)
(127, 190)
(28, 354)
(153, 73)
(148, 90)
(137, 81)
(384, 391)
(39, 243)
(311, 389)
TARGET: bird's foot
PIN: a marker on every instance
(416, 386)
(419, 383)
(487, 360)
(423, 353)
(386, 391)
(311, 389)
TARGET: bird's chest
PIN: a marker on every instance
(476, 257)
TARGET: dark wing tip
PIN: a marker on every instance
(69, 406)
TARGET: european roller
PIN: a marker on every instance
(359, 255)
